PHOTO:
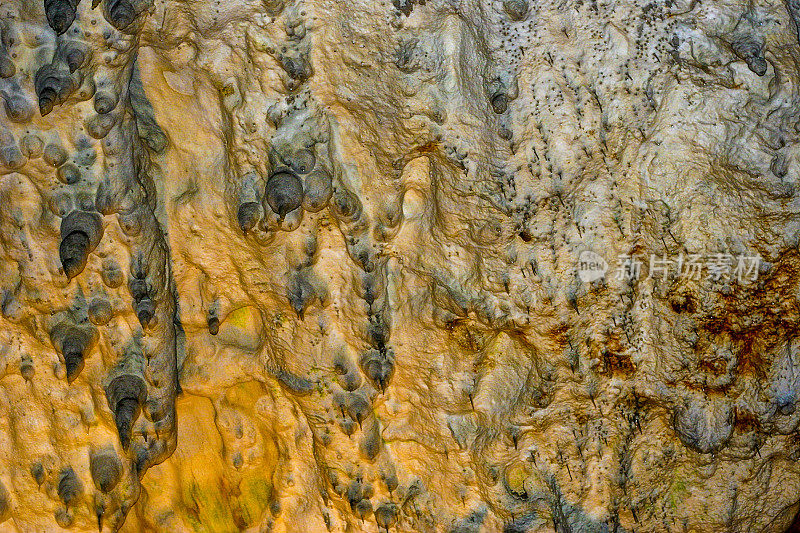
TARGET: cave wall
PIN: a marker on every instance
(328, 266)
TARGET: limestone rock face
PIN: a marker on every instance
(443, 265)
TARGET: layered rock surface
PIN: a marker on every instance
(319, 266)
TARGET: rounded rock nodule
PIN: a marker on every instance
(284, 192)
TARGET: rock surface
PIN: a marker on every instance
(366, 266)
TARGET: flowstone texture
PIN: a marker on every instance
(445, 265)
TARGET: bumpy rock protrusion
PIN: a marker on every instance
(74, 251)
(704, 426)
(301, 294)
(302, 161)
(143, 304)
(37, 472)
(69, 485)
(500, 102)
(293, 382)
(317, 190)
(74, 347)
(126, 394)
(54, 155)
(346, 206)
(32, 146)
(119, 13)
(213, 323)
(358, 407)
(784, 379)
(7, 67)
(297, 67)
(81, 232)
(106, 470)
(73, 343)
(249, 211)
(111, 274)
(47, 94)
(26, 368)
(404, 6)
(105, 101)
(52, 87)
(248, 215)
(108, 197)
(74, 58)
(69, 174)
(378, 366)
(100, 312)
(60, 14)
(378, 332)
(284, 192)
(17, 107)
(371, 442)
(752, 52)
(363, 509)
(386, 515)
(501, 91)
(347, 375)
(516, 9)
